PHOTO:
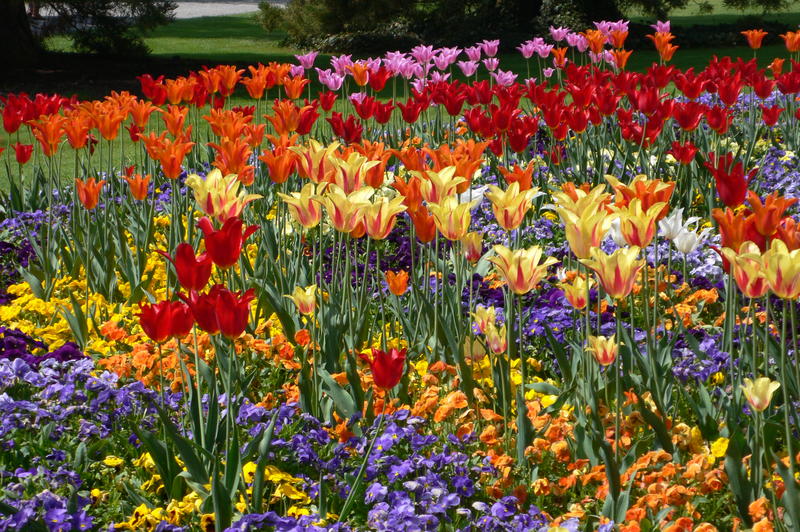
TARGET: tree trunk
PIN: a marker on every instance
(17, 46)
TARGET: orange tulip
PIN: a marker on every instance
(776, 66)
(792, 40)
(226, 123)
(412, 158)
(596, 40)
(667, 51)
(559, 56)
(374, 151)
(648, 191)
(254, 135)
(77, 126)
(621, 58)
(174, 118)
(523, 176)
(233, 157)
(768, 215)
(108, 118)
(178, 90)
(754, 38)
(424, 224)
(141, 111)
(281, 163)
(397, 281)
(48, 130)
(287, 116)
(89, 192)
(168, 152)
(138, 185)
(294, 86)
(618, 38)
(360, 72)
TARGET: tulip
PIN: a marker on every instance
(315, 161)
(759, 392)
(673, 225)
(497, 340)
(510, 206)
(436, 186)
(782, 270)
(166, 320)
(233, 312)
(451, 217)
(23, 152)
(687, 240)
(387, 368)
(748, 271)
(617, 272)
(305, 299)
(379, 217)
(638, 227)
(577, 292)
(204, 308)
(193, 272)
(586, 230)
(219, 196)
(303, 206)
(521, 268)
(754, 38)
(89, 192)
(484, 317)
(397, 282)
(603, 349)
(767, 216)
(730, 178)
(344, 210)
(138, 185)
(472, 244)
(225, 245)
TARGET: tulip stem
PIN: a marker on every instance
(787, 404)
(348, 503)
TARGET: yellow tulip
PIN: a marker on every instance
(472, 244)
(451, 217)
(617, 272)
(604, 349)
(759, 392)
(521, 268)
(484, 317)
(315, 160)
(304, 206)
(497, 340)
(638, 226)
(577, 292)
(344, 210)
(379, 217)
(748, 269)
(305, 299)
(782, 270)
(510, 206)
(218, 196)
(351, 172)
(436, 186)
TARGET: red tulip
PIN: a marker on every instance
(349, 130)
(233, 312)
(193, 272)
(770, 115)
(221, 310)
(684, 153)
(23, 152)
(387, 368)
(166, 320)
(225, 245)
(730, 178)
(326, 100)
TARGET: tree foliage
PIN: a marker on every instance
(110, 26)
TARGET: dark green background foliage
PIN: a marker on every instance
(369, 26)
(110, 26)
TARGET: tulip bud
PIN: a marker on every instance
(473, 246)
(603, 349)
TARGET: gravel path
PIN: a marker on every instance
(213, 9)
